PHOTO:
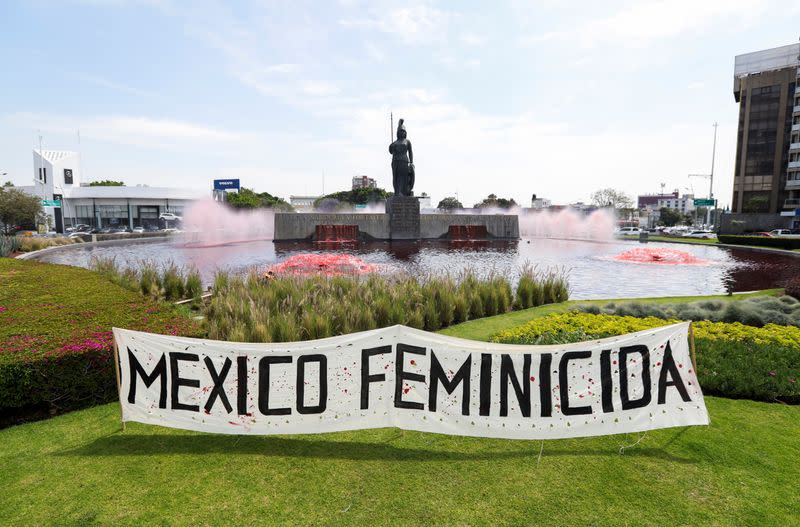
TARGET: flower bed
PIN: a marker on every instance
(56, 346)
(733, 359)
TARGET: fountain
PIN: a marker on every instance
(660, 256)
(326, 264)
(336, 233)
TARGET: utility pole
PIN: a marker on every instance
(711, 183)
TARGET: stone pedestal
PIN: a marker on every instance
(403, 214)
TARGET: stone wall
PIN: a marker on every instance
(498, 225)
(740, 223)
(300, 226)
(290, 226)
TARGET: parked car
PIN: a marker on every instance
(168, 216)
(781, 232)
(628, 231)
(762, 234)
(138, 230)
(706, 235)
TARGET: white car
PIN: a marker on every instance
(168, 216)
(706, 235)
(781, 232)
(629, 231)
(138, 230)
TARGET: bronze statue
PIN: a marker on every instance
(402, 163)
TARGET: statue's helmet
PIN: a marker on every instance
(401, 130)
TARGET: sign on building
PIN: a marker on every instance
(226, 184)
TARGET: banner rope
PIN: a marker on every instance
(622, 448)
(539, 459)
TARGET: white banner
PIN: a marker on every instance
(413, 380)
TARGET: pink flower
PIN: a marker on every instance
(3, 309)
(772, 374)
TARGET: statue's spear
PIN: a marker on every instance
(391, 127)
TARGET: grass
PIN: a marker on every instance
(55, 335)
(79, 469)
(32, 243)
(286, 308)
(485, 328)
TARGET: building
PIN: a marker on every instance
(683, 204)
(364, 182)
(69, 201)
(767, 171)
(303, 203)
(650, 201)
(540, 203)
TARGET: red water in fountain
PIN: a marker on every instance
(467, 232)
(336, 233)
(660, 256)
(329, 264)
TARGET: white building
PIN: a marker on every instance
(683, 204)
(540, 203)
(303, 203)
(57, 177)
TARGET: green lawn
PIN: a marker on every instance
(79, 469)
(485, 328)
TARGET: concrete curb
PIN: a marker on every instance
(33, 255)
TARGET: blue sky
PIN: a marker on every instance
(548, 97)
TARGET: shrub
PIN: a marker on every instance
(733, 359)
(756, 311)
(9, 245)
(761, 241)
(793, 288)
(56, 346)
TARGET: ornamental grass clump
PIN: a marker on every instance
(171, 283)
(288, 307)
(9, 245)
(733, 359)
(756, 311)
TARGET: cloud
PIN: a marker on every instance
(412, 24)
(643, 23)
(116, 86)
(282, 68)
(131, 130)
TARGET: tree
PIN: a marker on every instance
(18, 208)
(669, 217)
(248, 199)
(492, 201)
(357, 196)
(107, 183)
(8, 184)
(449, 203)
(608, 197)
(757, 203)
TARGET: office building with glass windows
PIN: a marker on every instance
(69, 201)
(767, 169)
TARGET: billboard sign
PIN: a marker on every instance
(226, 184)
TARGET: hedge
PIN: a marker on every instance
(733, 360)
(776, 242)
(56, 345)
